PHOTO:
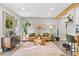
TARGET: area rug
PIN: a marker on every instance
(50, 49)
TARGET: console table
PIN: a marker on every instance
(9, 42)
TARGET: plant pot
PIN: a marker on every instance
(57, 38)
(25, 37)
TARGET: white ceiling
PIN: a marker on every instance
(36, 9)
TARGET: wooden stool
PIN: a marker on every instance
(76, 54)
(35, 41)
(77, 42)
(43, 41)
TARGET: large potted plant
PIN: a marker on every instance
(69, 20)
(25, 26)
(57, 35)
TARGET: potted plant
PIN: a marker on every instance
(70, 20)
(25, 26)
(57, 35)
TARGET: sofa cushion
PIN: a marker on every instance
(45, 34)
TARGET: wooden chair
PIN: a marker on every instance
(43, 41)
(77, 52)
(77, 42)
(35, 41)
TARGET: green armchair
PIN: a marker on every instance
(72, 41)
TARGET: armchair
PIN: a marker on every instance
(46, 36)
(32, 36)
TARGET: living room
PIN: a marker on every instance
(53, 20)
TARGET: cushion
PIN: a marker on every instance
(32, 34)
(46, 34)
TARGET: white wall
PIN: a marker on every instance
(45, 21)
(62, 30)
(4, 9)
(77, 15)
(0, 29)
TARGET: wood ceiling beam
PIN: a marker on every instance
(65, 11)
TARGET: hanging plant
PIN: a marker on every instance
(9, 22)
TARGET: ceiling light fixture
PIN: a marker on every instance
(49, 14)
(23, 8)
(52, 8)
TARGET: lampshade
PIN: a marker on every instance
(50, 26)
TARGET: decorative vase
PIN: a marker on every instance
(57, 38)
